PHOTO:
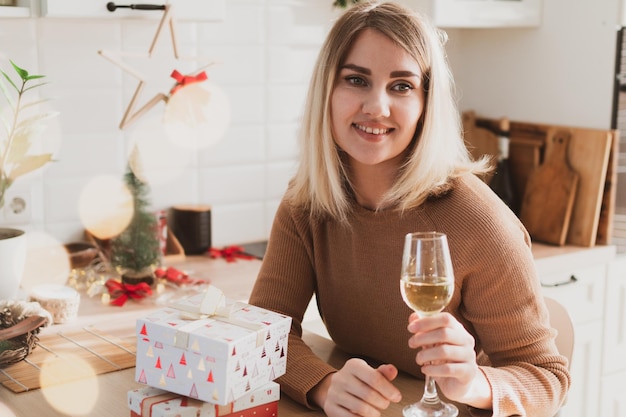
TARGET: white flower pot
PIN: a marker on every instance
(12, 261)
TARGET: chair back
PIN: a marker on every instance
(562, 322)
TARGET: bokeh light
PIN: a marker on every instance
(105, 206)
(46, 261)
(197, 115)
(69, 385)
(154, 158)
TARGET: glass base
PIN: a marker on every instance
(439, 409)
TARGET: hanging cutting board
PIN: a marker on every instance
(550, 191)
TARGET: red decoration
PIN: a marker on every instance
(229, 253)
(183, 80)
(121, 292)
(177, 277)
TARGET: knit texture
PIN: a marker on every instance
(355, 273)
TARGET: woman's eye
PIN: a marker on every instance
(403, 87)
(355, 80)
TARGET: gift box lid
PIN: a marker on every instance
(235, 322)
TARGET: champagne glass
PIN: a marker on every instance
(427, 284)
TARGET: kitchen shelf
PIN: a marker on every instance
(189, 10)
(14, 11)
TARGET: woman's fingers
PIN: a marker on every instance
(358, 389)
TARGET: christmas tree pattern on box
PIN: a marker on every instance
(215, 359)
(154, 402)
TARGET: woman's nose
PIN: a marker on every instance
(376, 103)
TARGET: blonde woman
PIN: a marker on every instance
(382, 155)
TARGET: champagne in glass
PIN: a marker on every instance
(427, 284)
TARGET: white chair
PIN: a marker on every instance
(562, 322)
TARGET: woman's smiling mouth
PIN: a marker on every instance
(372, 130)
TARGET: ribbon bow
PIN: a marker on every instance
(229, 253)
(177, 277)
(121, 292)
(211, 304)
(183, 80)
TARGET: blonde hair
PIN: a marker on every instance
(438, 154)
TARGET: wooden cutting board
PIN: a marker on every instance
(550, 191)
(607, 209)
(480, 141)
(589, 156)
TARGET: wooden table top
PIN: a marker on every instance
(110, 400)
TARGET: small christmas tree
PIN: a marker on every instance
(135, 251)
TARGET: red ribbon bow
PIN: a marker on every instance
(121, 292)
(229, 253)
(177, 277)
(183, 80)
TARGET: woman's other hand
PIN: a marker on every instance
(447, 354)
(357, 389)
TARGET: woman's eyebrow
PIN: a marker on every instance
(367, 71)
(403, 74)
(357, 68)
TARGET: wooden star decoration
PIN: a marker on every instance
(132, 114)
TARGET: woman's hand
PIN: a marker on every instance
(447, 354)
(357, 389)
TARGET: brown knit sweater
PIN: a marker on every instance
(355, 271)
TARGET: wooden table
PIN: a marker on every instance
(235, 280)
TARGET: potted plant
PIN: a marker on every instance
(20, 125)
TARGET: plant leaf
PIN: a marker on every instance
(12, 83)
(34, 86)
(21, 72)
(28, 164)
(20, 146)
(33, 103)
(37, 118)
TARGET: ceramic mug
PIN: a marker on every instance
(12, 261)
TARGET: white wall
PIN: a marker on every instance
(266, 50)
(559, 73)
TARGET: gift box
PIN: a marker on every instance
(210, 348)
(154, 402)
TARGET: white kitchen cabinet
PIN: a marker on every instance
(613, 401)
(487, 13)
(22, 8)
(591, 284)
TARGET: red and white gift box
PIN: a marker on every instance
(154, 402)
(211, 349)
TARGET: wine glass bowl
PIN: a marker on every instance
(427, 285)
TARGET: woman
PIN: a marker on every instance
(382, 155)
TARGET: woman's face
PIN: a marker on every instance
(377, 101)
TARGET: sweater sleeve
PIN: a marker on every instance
(285, 284)
(503, 307)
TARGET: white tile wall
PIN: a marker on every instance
(266, 50)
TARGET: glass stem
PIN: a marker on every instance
(430, 392)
